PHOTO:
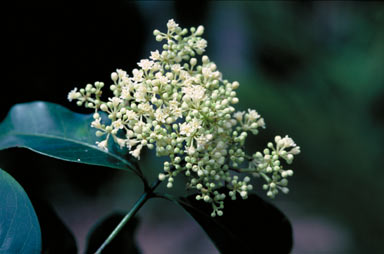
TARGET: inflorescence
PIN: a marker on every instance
(177, 103)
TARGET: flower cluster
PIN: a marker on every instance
(178, 103)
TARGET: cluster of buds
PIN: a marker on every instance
(177, 103)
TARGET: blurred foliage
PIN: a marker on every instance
(315, 73)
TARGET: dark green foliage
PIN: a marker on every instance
(56, 237)
(247, 226)
(55, 131)
(19, 227)
(124, 242)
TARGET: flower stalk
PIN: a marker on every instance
(148, 193)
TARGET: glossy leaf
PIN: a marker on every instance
(247, 226)
(55, 131)
(19, 226)
(124, 242)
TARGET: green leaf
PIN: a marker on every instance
(55, 131)
(124, 242)
(19, 226)
(247, 226)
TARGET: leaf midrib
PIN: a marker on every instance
(73, 141)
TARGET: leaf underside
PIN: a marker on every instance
(19, 226)
(247, 226)
(55, 131)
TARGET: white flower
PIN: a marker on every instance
(285, 142)
(146, 108)
(171, 25)
(160, 115)
(118, 124)
(73, 95)
(115, 101)
(131, 115)
(201, 45)
(145, 64)
(103, 144)
(207, 72)
(252, 115)
(184, 108)
(177, 112)
(121, 73)
(162, 79)
(126, 93)
(202, 141)
(187, 129)
(96, 123)
(121, 142)
(239, 115)
(195, 124)
(155, 55)
(131, 143)
(140, 94)
(176, 68)
(195, 93)
(184, 75)
(261, 122)
(137, 75)
(295, 150)
(190, 150)
(136, 153)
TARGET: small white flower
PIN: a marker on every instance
(140, 94)
(184, 75)
(162, 79)
(171, 25)
(207, 72)
(252, 115)
(131, 143)
(73, 95)
(202, 141)
(118, 124)
(126, 93)
(160, 115)
(176, 68)
(103, 144)
(137, 75)
(195, 124)
(239, 115)
(136, 153)
(195, 93)
(96, 123)
(261, 122)
(121, 142)
(131, 115)
(201, 45)
(295, 150)
(190, 150)
(187, 129)
(286, 142)
(155, 55)
(115, 101)
(145, 64)
(146, 108)
(121, 73)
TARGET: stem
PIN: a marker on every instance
(244, 170)
(139, 203)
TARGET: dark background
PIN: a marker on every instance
(313, 70)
